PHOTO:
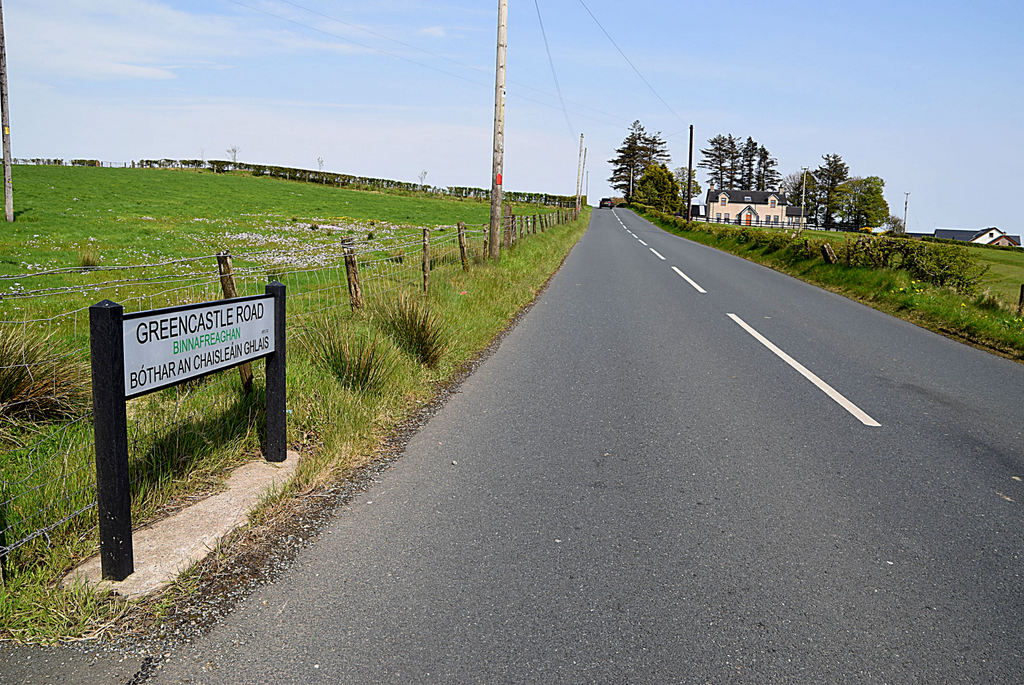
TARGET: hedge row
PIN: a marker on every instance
(951, 266)
(350, 181)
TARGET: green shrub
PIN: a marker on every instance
(40, 380)
(419, 331)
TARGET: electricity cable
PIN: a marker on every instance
(630, 63)
(551, 63)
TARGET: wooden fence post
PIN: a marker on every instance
(533, 224)
(227, 285)
(520, 222)
(1020, 301)
(355, 290)
(462, 246)
(426, 260)
(3, 534)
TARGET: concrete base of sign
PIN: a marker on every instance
(170, 546)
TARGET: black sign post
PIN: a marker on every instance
(110, 428)
(277, 412)
(189, 341)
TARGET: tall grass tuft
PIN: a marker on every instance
(88, 257)
(40, 380)
(362, 360)
(419, 331)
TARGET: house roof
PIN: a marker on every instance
(754, 197)
(965, 234)
(794, 210)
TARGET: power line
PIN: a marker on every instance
(616, 118)
(630, 63)
(551, 62)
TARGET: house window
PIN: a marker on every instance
(718, 216)
(727, 216)
(724, 200)
(747, 199)
(772, 203)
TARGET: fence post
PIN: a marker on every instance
(355, 291)
(462, 246)
(1020, 301)
(426, 260)
(3, 534)
(277, 401)
(227, 285)
(533, 224)
(110, 431)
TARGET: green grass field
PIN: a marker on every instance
(185, 440)
(148, 215)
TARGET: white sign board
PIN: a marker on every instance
(164, 347)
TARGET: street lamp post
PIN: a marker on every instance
(906, 203)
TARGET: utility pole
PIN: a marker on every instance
(5, 121)
(579, 173)
(803, 197)
(630, 197)
(494, 237)
(583, 171)
(689, 178)
(906, 203)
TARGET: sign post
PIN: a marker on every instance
(277, 412)
(110, 428)
(135, 354)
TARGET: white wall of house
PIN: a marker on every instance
(738, 207)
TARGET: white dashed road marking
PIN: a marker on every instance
(690, 281)
(656, 253)
(846, 404)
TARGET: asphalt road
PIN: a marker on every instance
(762, 482)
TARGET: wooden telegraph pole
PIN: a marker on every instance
(5, 121)
(494, 242)
(579, 173)
(689, 178)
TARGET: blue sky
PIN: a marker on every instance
(925, 95)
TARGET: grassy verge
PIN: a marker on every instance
(352, 378)
(984, 318)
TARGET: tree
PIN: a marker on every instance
(894, 224)
(233, 153)
(681, 175)
(658, 188)
(735, 165)
(766, 176)
(862, 201)
(638, 151)
(722, 160)
(827, 179)
(748, 162)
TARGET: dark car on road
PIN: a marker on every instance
(606, 202)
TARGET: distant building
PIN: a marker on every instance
(747, 207)
(985, 236)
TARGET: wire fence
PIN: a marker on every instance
(47, 452)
